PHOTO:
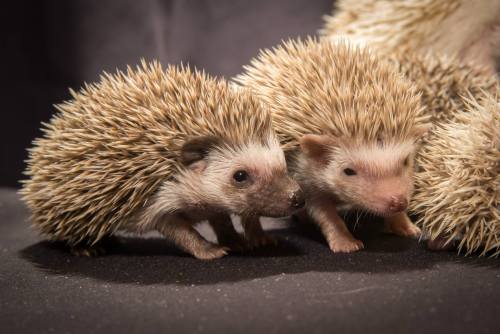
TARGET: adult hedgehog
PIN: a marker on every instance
(349, 123)
(465, 29)
(156, 150)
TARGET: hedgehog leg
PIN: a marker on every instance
(333, 227)
(254, 234)
(225, 232)
(181, 232)
(400, 224)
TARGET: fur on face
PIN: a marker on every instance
(376, 176)
(243, 179)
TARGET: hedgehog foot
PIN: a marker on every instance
(401, 225)
(345, 245)
(210, 252)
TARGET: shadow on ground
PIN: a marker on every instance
(301, 249)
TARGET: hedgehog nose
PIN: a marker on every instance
(297, 200)
(398, 204)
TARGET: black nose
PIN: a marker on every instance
(297, 200)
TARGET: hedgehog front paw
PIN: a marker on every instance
(345, 245)
(404, 228)
(411, 231)
(210, 252)
(261, 240)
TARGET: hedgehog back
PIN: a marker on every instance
(336, 89)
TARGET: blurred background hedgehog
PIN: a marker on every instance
(450, 56)
(468, 30)
(151, 149)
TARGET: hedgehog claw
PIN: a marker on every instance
(211, 252)
(341, 245)
(403, 227)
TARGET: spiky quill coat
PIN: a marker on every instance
(350, 87)
(107, 150)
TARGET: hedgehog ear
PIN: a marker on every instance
(316, 147)
(195, 150)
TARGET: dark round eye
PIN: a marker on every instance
(406, 161)
(349, 172)
(240, 176)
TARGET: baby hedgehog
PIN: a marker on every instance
(356, 121)
(157, 150)
(466, 29)
(457, 185)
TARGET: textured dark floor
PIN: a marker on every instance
(145, 286)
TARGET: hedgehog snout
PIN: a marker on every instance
(398, 204)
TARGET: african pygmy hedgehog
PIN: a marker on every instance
(157, 150)
(356, 120)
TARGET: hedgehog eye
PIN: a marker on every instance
(349, 172)
(406, 161)
(240, 176)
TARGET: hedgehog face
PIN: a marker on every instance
(376, 177)
(246, 179)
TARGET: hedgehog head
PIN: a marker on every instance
(376, 177)
(244, 179)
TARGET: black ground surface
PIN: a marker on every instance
(145, 286)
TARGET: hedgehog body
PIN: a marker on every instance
(457, 185)
(458, 28)
(151, 149)
(356, 121)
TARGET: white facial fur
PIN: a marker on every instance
(382, 175)
(211, 185)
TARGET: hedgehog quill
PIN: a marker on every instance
(468, 30)
(457, 186)
(349, 124)
(151, 149)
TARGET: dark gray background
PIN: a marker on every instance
(145, 286)
(48, 46)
